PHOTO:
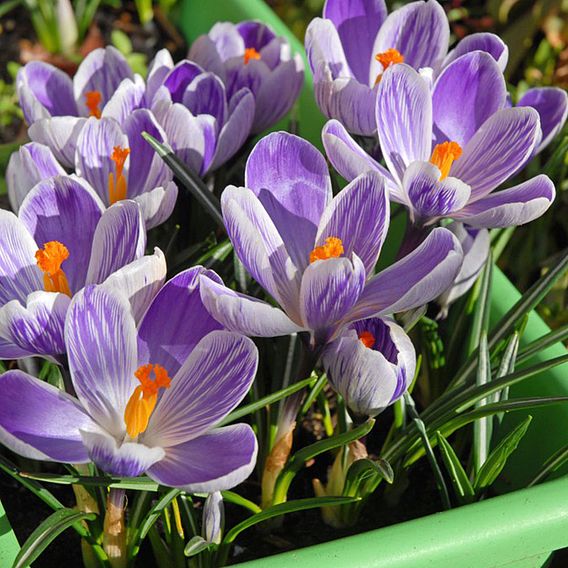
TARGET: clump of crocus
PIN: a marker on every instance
(61, 240)
(250, 55)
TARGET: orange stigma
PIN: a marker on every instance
(49, 259)
(144, 398)
(251, 53)
(117, 183)
(92, 101)
(333, 248)
(367, 339)
(444, 155)
(386, 59)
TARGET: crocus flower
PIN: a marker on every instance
(120, 164)
(449, 149)
(316, 255)
(371, 364)
(355, 42)
(147, 400)
(203, 122)
(55, 106)
(61, 240)
(250, 55)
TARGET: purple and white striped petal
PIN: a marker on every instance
(119, 238)
(431, 197)
(37, 326)
(228, 41)
(64, 209)
(44, 91)
(475, 245)
(487, 42)
(129, 459)
(324, 49)
(212, 381)
(166, 337)
(203, 51)
(216, 461)
(147, 170)
(158, 70)
(419, 31)
(179, 78)
(100, 335)
(31, 164)
(371, 378)
(255, 34)
(330, 288)
(466, 94)
(39, 421)
(19, 274)
(244, 314)
(260, 247)
(357, 23)
(139, 281)
(157, 204)
(128, 97)
(278, 92)
(290, 178)
(350, 160)
(359, 216)
(414, 280)
(95, 147)
(498, 150)
(404, 118)
(510, 207)
(60, 134)
(206, 95)
(551, 103)
(103, 70)
(236, 130)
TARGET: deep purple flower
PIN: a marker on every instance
(355, 42)
(249, 55)
(316, 255)
(204, 123)
(371, 364)
(61, 240)
(148, 400)
(448, 149)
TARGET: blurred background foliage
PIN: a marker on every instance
(535, 31)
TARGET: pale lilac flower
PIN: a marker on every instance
(61, 240)
(147, 400)
(355, 42)
(316, 255)
(371, 364)
(250, 55)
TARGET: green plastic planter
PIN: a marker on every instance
(519, 529)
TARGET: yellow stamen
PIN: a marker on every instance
(367, 339)
(444, 155)
(92, 101)
(117, 183)
(386, 59)
(333, 248)
(49, 260)
(251, 53)
(144, 398)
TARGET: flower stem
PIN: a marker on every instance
(114, 536)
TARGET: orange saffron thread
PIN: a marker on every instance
(251, 53)
(144, 398)
(92, 102)
(367, 339)
(117, 183)
(386, 59)
(444, 155)
(333, 248)
(49, 260)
